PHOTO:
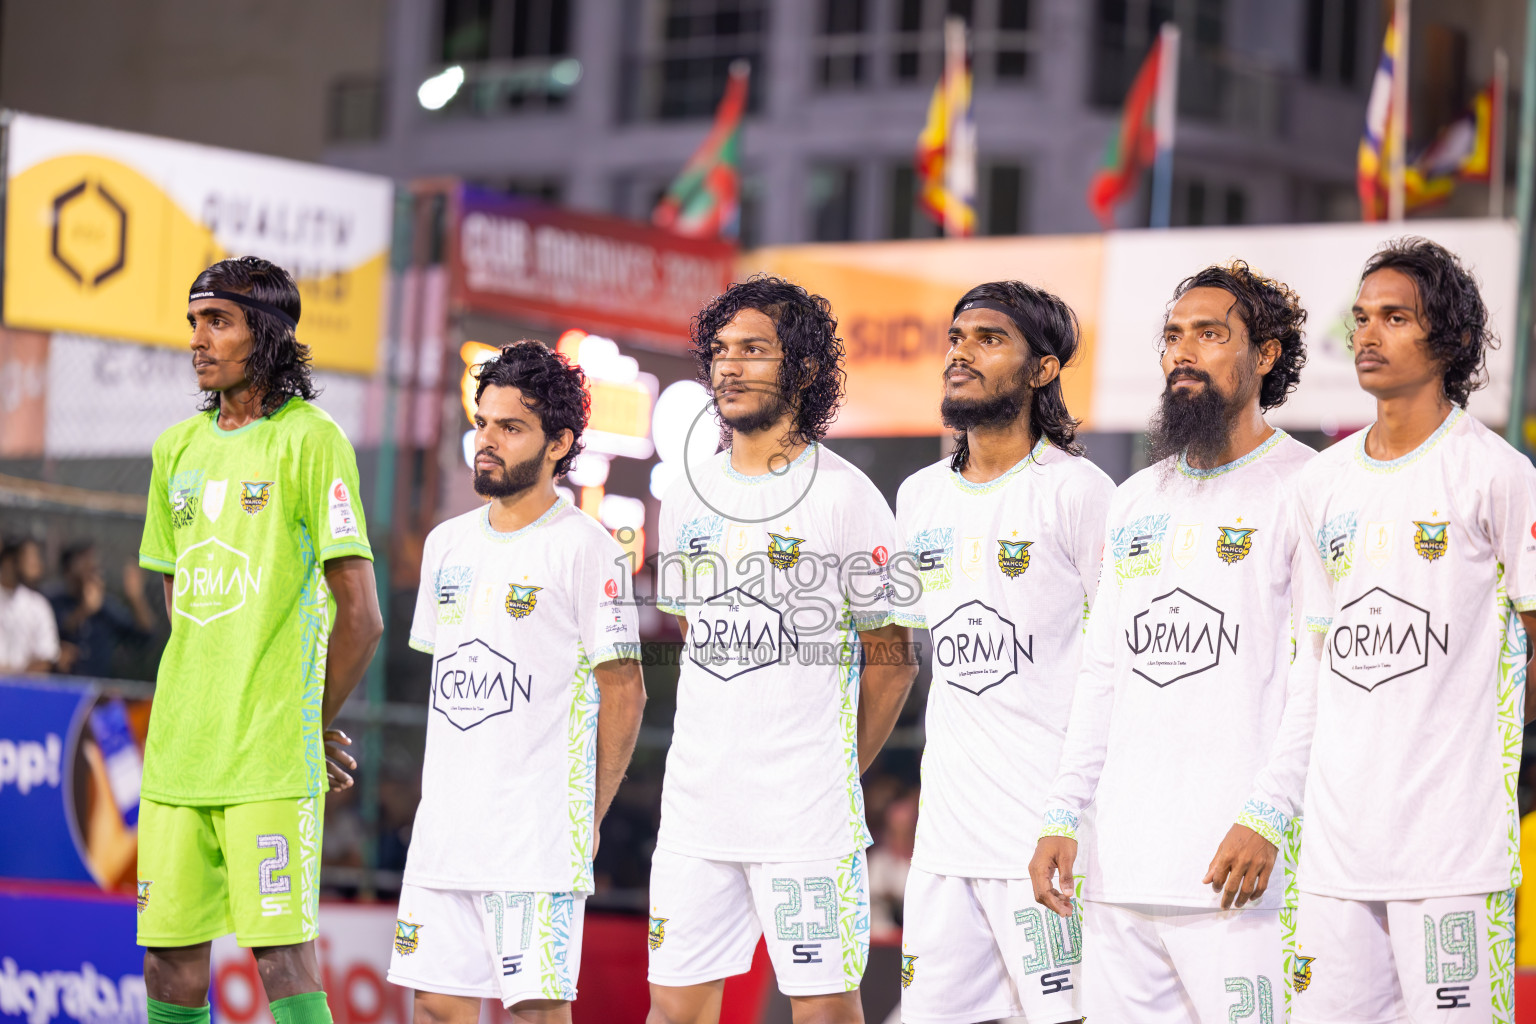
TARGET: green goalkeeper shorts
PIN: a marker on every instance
(252, 869)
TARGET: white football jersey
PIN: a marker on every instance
(515, 623)
(1420, 699)
(1185, 679)
(1007, 569)
(776, 574)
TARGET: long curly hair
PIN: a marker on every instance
(555, 389)
(1047, 323)
(811, 377)
(278, 368)
(1270, 310)
(1451, 306)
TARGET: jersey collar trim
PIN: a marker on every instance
(988, 486)
(503, 538)
(1377, 466)
(732, 474)
(218, 431)
(1253, 456)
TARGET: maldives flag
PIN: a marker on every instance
(704, 200)
(1133, 147)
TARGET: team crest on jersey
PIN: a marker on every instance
(144, 895)
(1430, 540)
(908, 970)
(1234, 544)
(1013, 557)
(657, 933)
(406, 937)
(783, 552)
(1302, 975)
(521, 600)
(254, 495)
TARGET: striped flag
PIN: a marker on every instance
(1463, 151)
(946, 149)
(1145, 130)
(704, 201)
(1373, 159)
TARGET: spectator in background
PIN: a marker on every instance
(889, 861)
(29, 641)
(93, 623)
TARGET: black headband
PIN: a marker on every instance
(247, 302)
(1037, 344)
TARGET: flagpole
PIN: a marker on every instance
(1525, 193)
(1397, 122)
(1165, 116)
(1500, 132)
(955, 146)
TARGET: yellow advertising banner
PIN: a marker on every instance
(106, 230)
(893, 301)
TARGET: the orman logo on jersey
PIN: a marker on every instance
(407, 937)
(1013, 557)
(1302, 975)
(475, 682)
(254, 495)
(908, 970)
(976, 648)
(783, 552)
(1178, 635)
(1430, 539)
(1379, 637)
(736, 632)
(144, 895)
(521, 600)
(1234, 543)
(657, 934)
(213, 580)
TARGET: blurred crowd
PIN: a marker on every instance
(74, 623)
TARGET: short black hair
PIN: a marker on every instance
(1451, 306)
(551, 386)
(811, 376)
(10, 547)
(73, 550)
(1271, 310)
(279, 366)
(1047, 323)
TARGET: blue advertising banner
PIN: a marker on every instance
(69, 957)
(39, 732)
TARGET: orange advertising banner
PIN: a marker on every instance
(893, 301)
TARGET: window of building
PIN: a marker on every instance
(1004, 200)
(680, 54)
(1003, 40)
(1331, 41)
(1206, 204)
(904, 218)
(841, 44)
(1124, 31)
(515, 53)
(355, 111)
(830, 194)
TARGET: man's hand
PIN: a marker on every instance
(1054, 855)
(1241, 868)
(335, 758)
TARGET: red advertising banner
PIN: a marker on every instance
(520, 258)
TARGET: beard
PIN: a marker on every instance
(768, 412)
(1198, 424)
(511, 481)
(992, 411)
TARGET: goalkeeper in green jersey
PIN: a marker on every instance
(254, 522)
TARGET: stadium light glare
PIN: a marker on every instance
(436, 91)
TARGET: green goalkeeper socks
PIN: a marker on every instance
(305, 1008)
(170, 1013)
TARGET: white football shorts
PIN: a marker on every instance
(1177, 965)
(706, 917)
(1405, 961)
(977, 949)
(511, 946)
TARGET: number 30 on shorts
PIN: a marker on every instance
(1054, 945)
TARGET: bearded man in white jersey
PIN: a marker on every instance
(1421, 539)
(1007, 535)
(774, 557)
(535, 705)
(1185, 678)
